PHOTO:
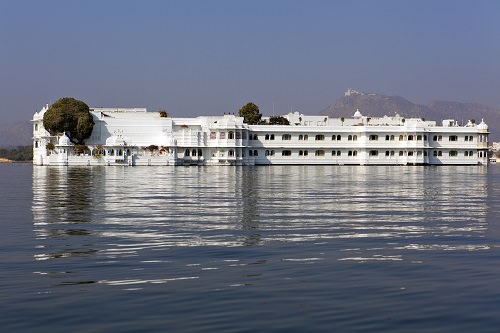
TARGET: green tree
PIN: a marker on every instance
(70, 116)
(278, 120)
(250, 113)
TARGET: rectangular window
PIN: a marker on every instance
(320, 137)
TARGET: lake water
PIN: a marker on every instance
(247, 249)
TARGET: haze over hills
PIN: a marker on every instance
(16, 134)
(370, 104)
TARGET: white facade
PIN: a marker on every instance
(124, 136)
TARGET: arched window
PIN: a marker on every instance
(193, 153)
(286, 137)
(349, 137)
(272, 137)
(440, 153)
(306, 137)
(255, 153)
(231, 135)
(453, 138)
(267, 153)
(301, 137)
(401, 138)
(387, 138)
(301, 153)
(354, 138)
(410, 137)
(186, 153)
(339, 137)
(230, 153)
(306, 152)
(200, 152)
(267, 137)
(319, 137)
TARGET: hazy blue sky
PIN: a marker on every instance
(201, 57)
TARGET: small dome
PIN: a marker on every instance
(357, 114)
(64, 140)
(482, 125)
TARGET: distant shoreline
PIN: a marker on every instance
(6, 160)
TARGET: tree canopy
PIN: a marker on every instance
(70, 116)
(278, 120)
(250, 113)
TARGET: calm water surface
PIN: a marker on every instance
(245, 249)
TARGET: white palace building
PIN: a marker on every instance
(133, 136)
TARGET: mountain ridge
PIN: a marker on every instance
(16, 134)
(377, 105)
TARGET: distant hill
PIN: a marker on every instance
(16, 134)
(379, 105)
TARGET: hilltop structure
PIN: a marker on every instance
(133, 136)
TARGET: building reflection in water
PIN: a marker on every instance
(117, 211)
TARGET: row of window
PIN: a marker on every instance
(320, 152)
(336, 137)
(373, 153)
(193, 152)
(230, 135)
(372, 137)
